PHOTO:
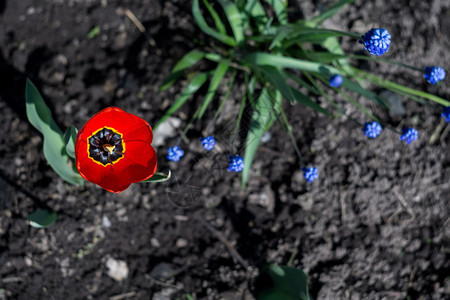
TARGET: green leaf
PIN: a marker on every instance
(264, 113)
(70, 136)
(329, 12)
(159, 177)
(255, 9)
(94, 31)
(266, 59)
(278, 79)
(400, 89)
(280, 10)
(234, 19)
(190, 89)
(217, 21)
(281, 282)
(54, 147)
(355, 87)
(220, 71)
(226, 39)
(187, 61)
(42, 218)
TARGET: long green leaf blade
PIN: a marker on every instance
(201, 22)
(187, 61)
(54, 147)
(255, 9)
(217, 21)
(190, 89)
(328, 13)
(280, 10)
(234, 19)
(265, 111)
(219, 73)
(70, 137)
(266, 59)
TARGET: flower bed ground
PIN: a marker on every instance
(374, 226)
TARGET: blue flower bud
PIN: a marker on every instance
(336, 81)
(434, 74)
(236, 163)
(376, 41)
(372, 129)
(208, 142)
(310, 174)
(174, 153)
(409, 135)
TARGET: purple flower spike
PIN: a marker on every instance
(174, 153)
(208, 142)
(434, 74)
(409, 135)
(376, 41)
(446, 114)
(372, 129)
(236, 163)
(310, 174)
(336, 81)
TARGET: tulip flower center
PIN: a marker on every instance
(106, 146)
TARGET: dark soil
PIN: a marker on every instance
(374, 226)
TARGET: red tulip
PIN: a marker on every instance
(114, 149)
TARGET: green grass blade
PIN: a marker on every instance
(280, 10)
(400, 88)
(256, 11)
(266, 59)
(217, 21)
(355, 87)
(264, 112)
(220, 71)
(70, 137)
(302, 83)
(226, 39)
(54, 147)
(187, 61)
(234, 19)
(329, 12)
(278, 79)
(190, 89)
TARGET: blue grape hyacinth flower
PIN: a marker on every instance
(409, 135)
(372, 129)
(434, 74)
(208, 142)
(376, 41)
(336, 81)
(236, 163)
(446, 114)
(174, 153)
(310, 174)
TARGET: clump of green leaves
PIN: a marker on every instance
(277, 60)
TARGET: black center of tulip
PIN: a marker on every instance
(106, 146)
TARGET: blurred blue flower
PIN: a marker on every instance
(372, 129)
(409, 135)
(446, 114)
(310, 174)
(174, 153)
(336, 81)
(434, 74)
(376, 41)
(208, 142)
(236, 163)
